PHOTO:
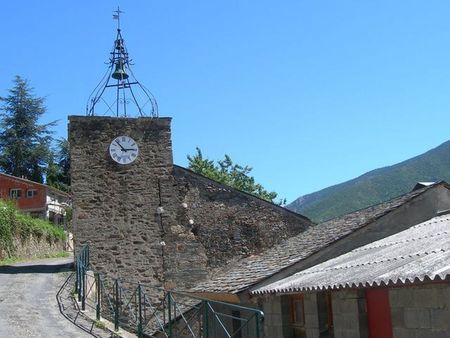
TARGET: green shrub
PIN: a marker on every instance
(15, 223)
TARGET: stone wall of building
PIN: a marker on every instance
(420, 311)
(214, 224)
(114, 205)
(157, 223)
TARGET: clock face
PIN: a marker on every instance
(123, 149)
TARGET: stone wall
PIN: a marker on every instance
(157, 223)
(115, 206)
(420, 311)
(34, 246)
(214, 224)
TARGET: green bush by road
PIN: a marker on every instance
(14, 223)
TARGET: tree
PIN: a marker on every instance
(63, 160)
(58, 169)
(24, 143)
(229, 173)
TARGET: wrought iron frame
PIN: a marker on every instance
(166, 313)
(120, 59)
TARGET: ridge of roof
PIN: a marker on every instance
(190, 172)
(251, 270)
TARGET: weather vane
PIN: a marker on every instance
(116, 16)
(119, 88)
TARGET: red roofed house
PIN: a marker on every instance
(39, 200)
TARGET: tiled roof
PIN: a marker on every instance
(240, 275)
(418, 253)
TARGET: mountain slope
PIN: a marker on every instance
(375, 186)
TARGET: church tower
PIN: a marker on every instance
(121, 153)
(145, 219)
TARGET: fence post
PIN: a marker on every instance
(169, 306)
(76, 273)
(116, 312)
(79, 279)
(99, 295)
(140, 311)
(257, 325)
(83, 298)
(205, 320)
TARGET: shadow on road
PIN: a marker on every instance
(38, 268)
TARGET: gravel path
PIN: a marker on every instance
(28, 306)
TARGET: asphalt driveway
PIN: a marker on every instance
(28, 306)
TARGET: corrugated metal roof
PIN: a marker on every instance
(242, 274)
(419, 253)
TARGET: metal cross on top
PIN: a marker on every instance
(116, 16)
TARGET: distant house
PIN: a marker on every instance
(243, 280)
(39, 200)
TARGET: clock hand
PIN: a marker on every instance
(132, 149)
(123, 149)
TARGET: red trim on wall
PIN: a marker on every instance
(379, 313)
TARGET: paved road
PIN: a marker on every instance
(28, 306)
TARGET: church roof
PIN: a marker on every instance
(242, 274)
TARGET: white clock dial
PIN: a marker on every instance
(123, 149)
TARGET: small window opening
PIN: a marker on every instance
(15, 193)
(297, 315)
(31, 193)
(325, 310)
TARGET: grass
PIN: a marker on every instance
(12, 260)
(15, 224)
(99, 324)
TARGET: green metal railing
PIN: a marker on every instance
(154, 312)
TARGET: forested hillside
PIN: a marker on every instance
(375, 186)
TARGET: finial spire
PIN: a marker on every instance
(128, 90)
(116, 16)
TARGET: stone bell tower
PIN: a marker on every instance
(118, 165)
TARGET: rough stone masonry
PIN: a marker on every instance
(157, 223)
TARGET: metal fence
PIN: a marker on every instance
(153, 312)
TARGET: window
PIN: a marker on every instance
(15, 193)
(325, 311)
(31, 193)
(297, 315)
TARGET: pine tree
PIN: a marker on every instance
(58, 168)
(63, 161)
(24, 143)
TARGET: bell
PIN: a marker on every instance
(119, 44)
(119, 72)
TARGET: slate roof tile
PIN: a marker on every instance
(239, 275)
(419, 253)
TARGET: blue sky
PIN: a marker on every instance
(308, 93)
